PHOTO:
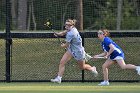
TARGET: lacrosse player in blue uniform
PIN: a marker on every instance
(113, 53)
(74, 49)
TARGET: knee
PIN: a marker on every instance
(104, 66)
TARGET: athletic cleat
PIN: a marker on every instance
(138, 70)
(104, 83)
(56, 80)
(95, 73)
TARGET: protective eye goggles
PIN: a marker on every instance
(100, 32)
(68, 24)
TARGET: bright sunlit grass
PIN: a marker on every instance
(69, 87)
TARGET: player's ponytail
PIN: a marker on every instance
(106, 32)
(74, 22)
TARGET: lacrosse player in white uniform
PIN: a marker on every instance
(74, 49)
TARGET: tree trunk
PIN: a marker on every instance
(22, 14)
(119, 14)
(29, 18)
(64, 14)
(79, 15)
(33, 15)
(13, 12)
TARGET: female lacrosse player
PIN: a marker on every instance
(113, 53)
(74, 49)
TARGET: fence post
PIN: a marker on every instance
(8, 40)
(83, 75)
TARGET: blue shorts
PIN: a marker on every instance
(117, 58)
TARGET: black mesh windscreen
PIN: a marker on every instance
(38, 59)
(2, 60)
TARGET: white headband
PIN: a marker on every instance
(100, 32)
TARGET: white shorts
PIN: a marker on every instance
(78, 55)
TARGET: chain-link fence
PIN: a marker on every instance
(35, 56)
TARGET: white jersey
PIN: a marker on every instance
(74, 39)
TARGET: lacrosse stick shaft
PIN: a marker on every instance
(100, 57)
(57, 37)
(59, 40)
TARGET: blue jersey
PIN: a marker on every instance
(117, 50)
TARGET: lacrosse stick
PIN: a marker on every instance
(49, 25)
(89, 57)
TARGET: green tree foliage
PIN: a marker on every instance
(131, 14)
(96, 13)
(100, 14)
(2, 14)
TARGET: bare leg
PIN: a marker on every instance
(83, 66)
(105, 68)
(125, 66)
(66, 57)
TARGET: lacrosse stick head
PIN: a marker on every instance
(87, 57)
(48, 24)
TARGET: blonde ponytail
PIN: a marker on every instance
(106, 32)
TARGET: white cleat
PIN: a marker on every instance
(95, 73)
(138, 70)
(56, 80)
(104, 83)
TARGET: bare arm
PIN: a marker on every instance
(60, 33)
(65, 45)
(106, 54)
(101, 55)
(111, 50)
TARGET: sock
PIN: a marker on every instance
(137, 67)
(59, 77)
(106, 81)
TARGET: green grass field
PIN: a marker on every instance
(69, 87)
